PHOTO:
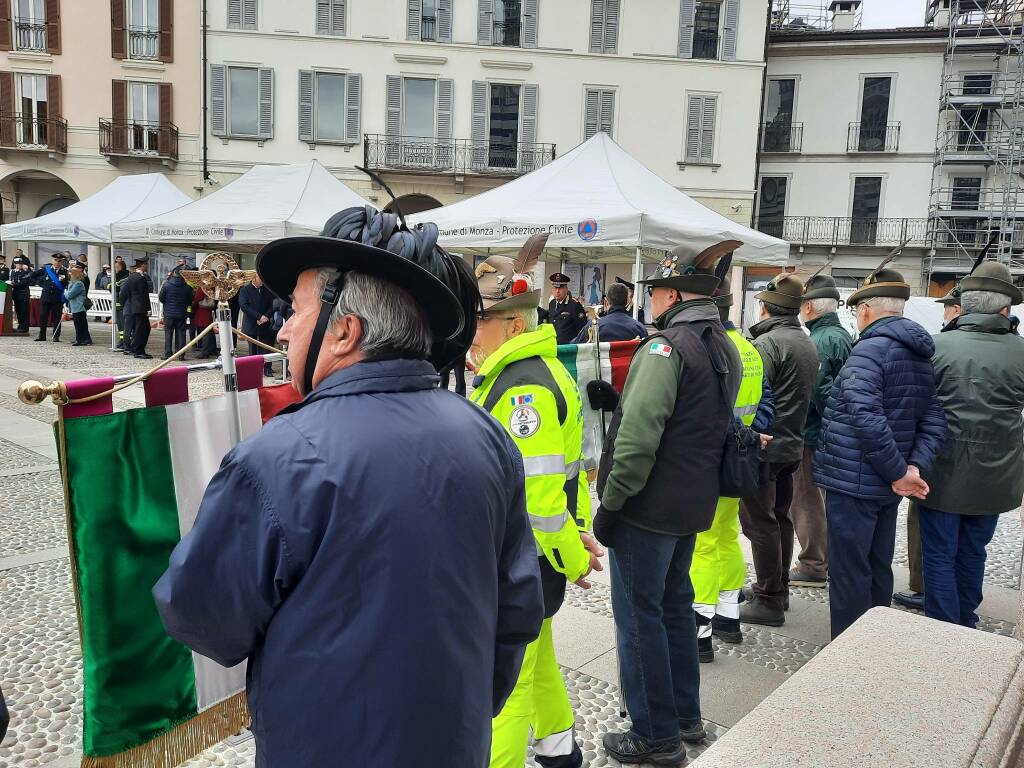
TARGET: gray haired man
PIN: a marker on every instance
(979, 473)
(818, 310)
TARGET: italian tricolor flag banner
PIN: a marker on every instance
(4, 290)
(135, 480)
(609, 361)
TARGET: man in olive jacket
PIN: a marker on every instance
(658, 485)
(979, 472)
(819, 313)
(791, 367)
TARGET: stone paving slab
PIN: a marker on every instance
(13, 456)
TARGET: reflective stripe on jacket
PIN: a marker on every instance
(530, 393)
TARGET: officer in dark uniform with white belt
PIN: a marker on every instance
(565, 312)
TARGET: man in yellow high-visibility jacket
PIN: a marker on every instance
(718, 569)
(523, 385)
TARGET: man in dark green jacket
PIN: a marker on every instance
(791, 367)
(819, 313)
(979, 473)
(658, 485)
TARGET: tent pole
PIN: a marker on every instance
(227, 361)
(113, 299)
(638, 296)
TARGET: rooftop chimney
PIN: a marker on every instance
(845, 14)
(938, 13)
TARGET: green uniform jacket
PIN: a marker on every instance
(791, 367)
(834, 345)
(979, 370)
(524, 386)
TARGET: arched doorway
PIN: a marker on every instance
(28, 194)
(413, 203)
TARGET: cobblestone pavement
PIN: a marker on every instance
(40, 661)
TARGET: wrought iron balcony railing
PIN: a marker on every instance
(417, 154)
(782, 137)
(428, 28)
(33, 133)
(507, 33)
(143, 43)
(705, 44)
(139, 139)
(29, 35)
(870, 137)
(844, 230)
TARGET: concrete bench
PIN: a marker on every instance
(895, 690)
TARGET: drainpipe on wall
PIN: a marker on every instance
(205, 110)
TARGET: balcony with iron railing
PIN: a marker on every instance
(138, 139)
(871, 137)
(782, 137)
(29, 35)
(845, 230)
(415, 154)
(32, 133)
(507, 33)
(143, 44)
(428, 28)
(705, 44)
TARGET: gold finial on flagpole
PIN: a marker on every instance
(35, 392)
(220, 278)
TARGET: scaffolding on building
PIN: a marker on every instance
(979, 151)
(810, 16)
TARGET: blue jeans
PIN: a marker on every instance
(953, 547)
(861, 542)
(657, 636)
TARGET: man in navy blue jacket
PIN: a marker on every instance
(617, 324)
(256, 303)
(369, 550)
(882, 428)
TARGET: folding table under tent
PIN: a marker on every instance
(599, 204)
(90, 221)
(263, 204)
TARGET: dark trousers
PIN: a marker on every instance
(81, 328)
(50, 313)
(808, 513)
(914, 550)
(652, 598)
(767, 523)
(123, 328)
(140, 333)
(208, 344)
(174, 335)
(127, 329)
(861, 542)
(22, 301)
(954, 563)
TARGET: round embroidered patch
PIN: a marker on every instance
(524, 421)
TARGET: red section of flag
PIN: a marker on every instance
(250, 372)
(85, 388)
(275, 399)
(620, 355)
(168, 386)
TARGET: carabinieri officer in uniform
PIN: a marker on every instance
(565, 312)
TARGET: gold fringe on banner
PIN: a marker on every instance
(184, 741)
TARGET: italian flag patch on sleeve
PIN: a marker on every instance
(658, 348)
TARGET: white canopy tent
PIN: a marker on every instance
(90, 221)
(263, 204)
(599, 204)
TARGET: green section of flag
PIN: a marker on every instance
(138, 682)
(567, 357)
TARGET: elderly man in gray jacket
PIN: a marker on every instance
(979, 473)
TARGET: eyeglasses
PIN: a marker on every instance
(650, 290)
(485, 317)
(853, 307)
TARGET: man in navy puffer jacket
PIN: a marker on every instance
(882, 427)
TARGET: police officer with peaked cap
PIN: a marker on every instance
(565, 312)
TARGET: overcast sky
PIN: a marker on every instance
(893, 13)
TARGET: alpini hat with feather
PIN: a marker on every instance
(691, 273)
(509, 283)
(956, 293)
(819, 286)
(882, 283)
(993, 277)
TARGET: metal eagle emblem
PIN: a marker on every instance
(220, 278)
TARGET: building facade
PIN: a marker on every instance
(875, 139)
(445, 99)
(92, 89)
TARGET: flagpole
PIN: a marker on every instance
(227, 361)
